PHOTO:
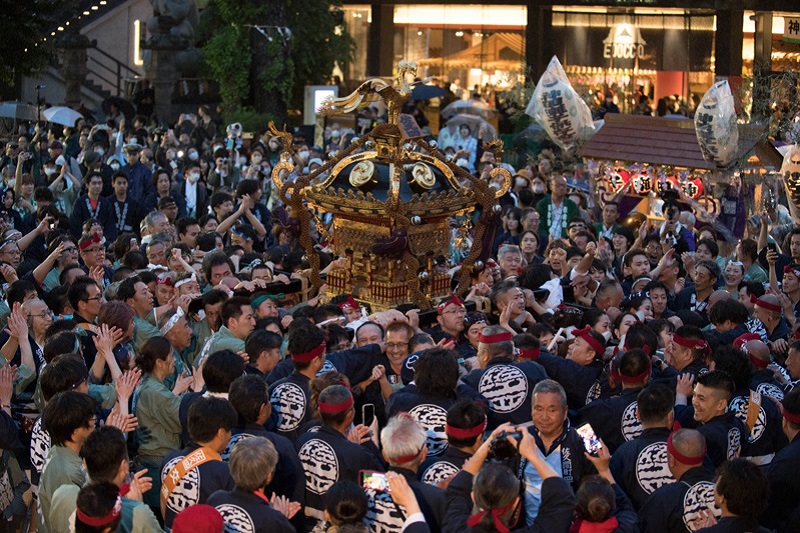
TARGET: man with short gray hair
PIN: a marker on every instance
(558, 442)
(404, 448)
(252, 465)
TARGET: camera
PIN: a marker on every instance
(501, 448)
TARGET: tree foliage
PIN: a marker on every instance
(249, 64)
(24, 26)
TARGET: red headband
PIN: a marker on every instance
(494, 339)
(309, 356)
(619, 376)
(453, 300)
(100, 521)
(594, 343)
(645, 348)
(775, 308)
(529, 354)
(790, 417)
(787, 269)
(164, 280)
(465, 433)
(741, 341)
(685, 459)
(758, 363)
(84, 244)
(403, 459)
(335, 408)
(350, 302)
(699, 344)
(475, 519)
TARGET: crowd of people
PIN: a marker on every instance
(163, 369)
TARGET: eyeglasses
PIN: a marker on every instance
(69, 250)
(93, 298)
(395, 344)
(45, 314)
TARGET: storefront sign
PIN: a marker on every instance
(623, 42)
(791, 30)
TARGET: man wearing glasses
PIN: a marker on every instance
(451, 319)
(93, 255)
(85, 298)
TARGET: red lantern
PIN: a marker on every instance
(693, 187)
(618, 179)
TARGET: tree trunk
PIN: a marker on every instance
(267, 57)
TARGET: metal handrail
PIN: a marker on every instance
(120, 65)
(119, 71)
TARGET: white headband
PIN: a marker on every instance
(193, 277)
(171, 322)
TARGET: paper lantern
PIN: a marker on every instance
(618, 179)
(559, 109)
(715, 124)
(642, 182)
(693, 187)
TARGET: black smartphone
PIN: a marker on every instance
(772, 246)
(367, 413)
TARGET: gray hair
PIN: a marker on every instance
(152, 217)
(403, 437)
(252, 462)
(497, 349)
(548, 386)
(508, 249)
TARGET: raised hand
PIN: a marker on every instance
(7, 375)
(126, 384)
(17, 323)
(97, 273)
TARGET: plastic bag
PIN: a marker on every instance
(715, 124)
(559, 109)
